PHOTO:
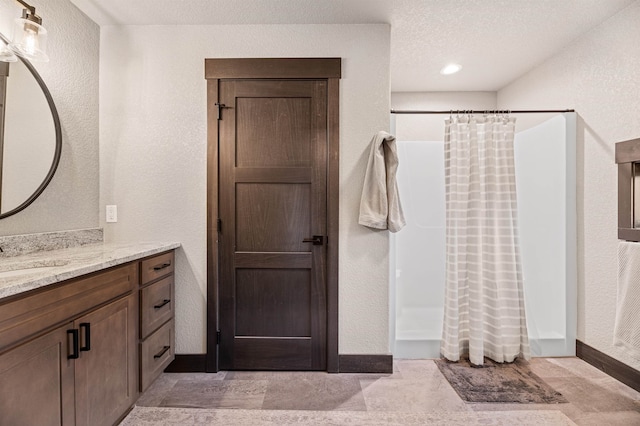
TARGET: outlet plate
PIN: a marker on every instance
(112, 213)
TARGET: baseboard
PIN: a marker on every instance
(196, 363)
(616, 369)
(187, 363)
(365, 363)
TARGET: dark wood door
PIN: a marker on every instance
(272, 196)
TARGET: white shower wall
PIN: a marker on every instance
(545, 179)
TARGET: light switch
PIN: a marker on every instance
(112, 213)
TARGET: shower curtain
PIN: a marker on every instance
(484, 300)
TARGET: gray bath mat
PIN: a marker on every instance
(494, 382)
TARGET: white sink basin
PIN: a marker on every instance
(29, 268)
(27, 271)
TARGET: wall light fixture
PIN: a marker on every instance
(29, 36)
(6, 54)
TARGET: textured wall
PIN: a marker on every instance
(153, 153)
(598, 76)
(71, 199)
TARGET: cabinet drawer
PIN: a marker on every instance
(29, 315)
(156, 267)
(156, 305)
(156, 352)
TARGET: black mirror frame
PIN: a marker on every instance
(58, 131)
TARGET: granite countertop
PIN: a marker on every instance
(19, 274)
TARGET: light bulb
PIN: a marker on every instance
(450, 69)
(30, 41)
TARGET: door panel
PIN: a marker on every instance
(272, 194)
(283, 120)
(274, 354)
(274, 217)
(273, 302)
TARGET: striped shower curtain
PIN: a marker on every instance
(484, 299)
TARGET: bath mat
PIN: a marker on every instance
(494, 382)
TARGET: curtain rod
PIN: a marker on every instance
(499, 111)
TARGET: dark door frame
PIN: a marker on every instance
(328, 69)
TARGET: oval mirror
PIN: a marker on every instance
(30, 136)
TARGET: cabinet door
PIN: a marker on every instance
(36, 382)
(106, 374)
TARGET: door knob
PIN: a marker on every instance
(317, 240)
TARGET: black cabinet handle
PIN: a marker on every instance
(75, 354)
(87, 336)
(162, 352)
(159, 267)
(164, 302)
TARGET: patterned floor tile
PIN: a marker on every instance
(247, 394)
(328, 392)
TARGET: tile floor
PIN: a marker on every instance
(415, 386)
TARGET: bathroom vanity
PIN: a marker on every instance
(83, 331)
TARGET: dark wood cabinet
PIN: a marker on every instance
(156, 317)
(106, 384)
(72, 353)
(84, 371)
(37, 382)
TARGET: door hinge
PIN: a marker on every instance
(219, 225)
(218, 337)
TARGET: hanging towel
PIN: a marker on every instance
(380, 206)
(626, 331)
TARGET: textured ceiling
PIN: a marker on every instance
(496, 41)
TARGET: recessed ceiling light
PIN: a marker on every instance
(450, 69)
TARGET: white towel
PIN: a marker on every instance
(380, 206)
(626, 331)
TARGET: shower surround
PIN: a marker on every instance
(545, 181)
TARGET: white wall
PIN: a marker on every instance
(598, 76)
(153, 153)
(431, 127)
(71, 199)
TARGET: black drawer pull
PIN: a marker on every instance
(162, 352)
(164, 302)
(75, 346)
(87, 336)
(164, 265)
